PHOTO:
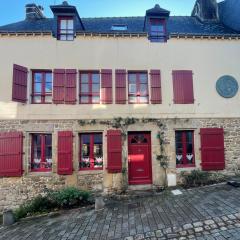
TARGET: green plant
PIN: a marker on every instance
(64, 198)
(198, 178)
(68, 197)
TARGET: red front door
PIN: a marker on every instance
(139, 158)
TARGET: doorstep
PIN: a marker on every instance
(140, 187)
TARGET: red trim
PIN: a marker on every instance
(138, 94)
(43, 93)
(156, 36)
(43, 155)
(184, 149)
(91, 152)
(59, 29)
(90, 94)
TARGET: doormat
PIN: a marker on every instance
(176, 192)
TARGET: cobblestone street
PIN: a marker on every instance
(203, 213)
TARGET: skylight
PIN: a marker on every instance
(119, 27)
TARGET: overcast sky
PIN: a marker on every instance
(14, 10)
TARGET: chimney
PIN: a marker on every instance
(34, 12)
(206, 10)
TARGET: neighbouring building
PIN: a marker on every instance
(99, 103)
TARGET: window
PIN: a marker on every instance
(41, 152)
(42, 87)
(65, 29)
(89, 87)
(138, 87)
(91, 151)
(184, 149)
(119, 27)
(157, 30)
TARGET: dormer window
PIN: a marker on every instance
(157, 30)
(65, 29)
(119, 27)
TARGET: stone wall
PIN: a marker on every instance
(14, 191)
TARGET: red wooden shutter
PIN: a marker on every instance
(59, 86)
(19, 87)
(70, 86)
(183, 87)
(212, 148)
(65, 153)
(11, 154)
(114, 151)
(106, 88)
(120, 78)
(156, 93)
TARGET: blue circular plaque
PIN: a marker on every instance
(227, 86)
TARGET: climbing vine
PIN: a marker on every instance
(123, 124)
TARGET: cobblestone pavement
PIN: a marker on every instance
(203, 213)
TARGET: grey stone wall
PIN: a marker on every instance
(14, 191)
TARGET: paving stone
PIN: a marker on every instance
(198, 224)
(209, 222)
(198, 229)
(187, 226)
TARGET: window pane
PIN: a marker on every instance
(37, 87)
(143, 89)
(143, 78)
(48, 139)
(85, 151)
(48, 77)
(63, 24)
(189, 136)
(37, 99)
(143, 99)
(84, 99)
(63, 37)
(84, 88)
(63, 31)
(132, 88)
(132, 78)
(132, 99)
(38, 77)
(96, 88)
(95, 99)
(48, 87)
(157, 28)
(97, 151)
(95, 78)
(178, 136)
(84, 78)
(48, 99)
(70, 37)
(70, 24)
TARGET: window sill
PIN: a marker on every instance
(90, 171)
(186, 166)
(40, 173)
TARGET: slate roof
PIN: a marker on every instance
(183, 25)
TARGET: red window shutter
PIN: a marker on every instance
(156, 93)
(11, 154)
(70, 86)
(19, 88)
(183, 87)
(59, 86)
(120, 78)
(65, 153)
(106, 88)
(114, 151)
(212, 148)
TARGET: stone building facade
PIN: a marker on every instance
(166, 86)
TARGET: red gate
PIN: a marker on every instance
(139, 158)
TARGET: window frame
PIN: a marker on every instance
(90, 93)
(158, 37)
(59, 29)
(184, 147)
(43, 93)
(138, 87)
(43, 152)
(91, 168)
